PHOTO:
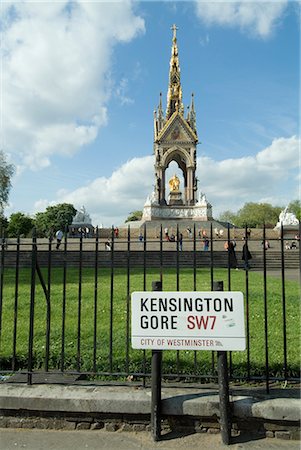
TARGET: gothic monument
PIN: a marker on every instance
(175, 139)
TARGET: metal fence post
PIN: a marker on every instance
(156, 383)
(223, 384)
(32, 305)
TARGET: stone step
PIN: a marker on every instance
(170, 258)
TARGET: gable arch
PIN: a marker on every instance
(179, 155)
(182, 156)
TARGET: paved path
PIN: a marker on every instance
(152, 243)
(12, 439)
(290, 274)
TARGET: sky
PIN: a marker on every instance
(80, 80)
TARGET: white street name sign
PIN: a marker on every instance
(212, 320)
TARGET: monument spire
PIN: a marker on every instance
(192, 117)
(160, 109)
(174, 94)
(175, 140)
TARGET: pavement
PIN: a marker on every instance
(14, 439)
(290, 274)
(281, 405)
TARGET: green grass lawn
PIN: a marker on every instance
(123, 358)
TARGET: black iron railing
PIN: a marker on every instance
(72, 305)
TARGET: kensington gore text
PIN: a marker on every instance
(207, 306)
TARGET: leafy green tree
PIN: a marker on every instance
(19, 225)
(256, 214)
(134, 216)
(228, 216)
(3, 225)
(6, 172)
(295, 207)
(54, 218)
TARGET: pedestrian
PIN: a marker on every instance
(166, 233)
(108, 245)
(189, 232)
(230, 247)
(246, 256)
(206, 244)
(172, 238)
(59, 236)
(265, 244)
(180, 241)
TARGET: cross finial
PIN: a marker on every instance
(174, 29)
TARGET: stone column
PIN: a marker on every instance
(163, 194)
(189, 181)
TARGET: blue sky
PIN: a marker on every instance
(80, 81)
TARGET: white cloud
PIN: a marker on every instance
(232, 182)
(110, 200)
(67, 137)
(228, 184)
(280, 156)
(121, 92)
(204, 41)
(257, 17)
(55, 61)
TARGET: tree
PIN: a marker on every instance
(134, 216)
(228, 216)
(19, 225)
(3, 225)
(54, 218)
(253, 215)
(256, 214)
(295, 208)
(6, 172)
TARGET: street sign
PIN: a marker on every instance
(212, 320)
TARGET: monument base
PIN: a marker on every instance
(81, 225)
(80, 230)
(175, 198)
(177, 212)
(289, 231)
(290, 224)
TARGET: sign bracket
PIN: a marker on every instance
(223, 384)
(209, 320)
(156, 377)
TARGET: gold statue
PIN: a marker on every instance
(174, 183)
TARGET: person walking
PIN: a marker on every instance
(180, 241)
(230, 247)
(246, 255)
(166, 233)
(108, 245)
(206, 244)
(265, 244)
(59, 236)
